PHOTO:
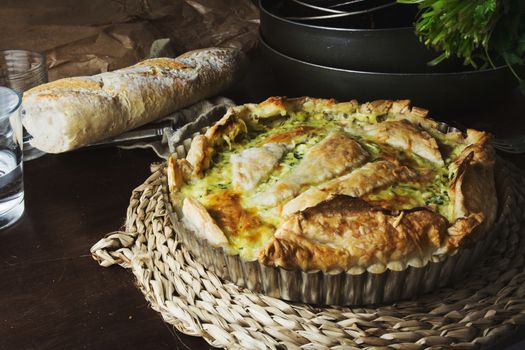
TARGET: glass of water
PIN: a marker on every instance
(11, 165)
(22, 70)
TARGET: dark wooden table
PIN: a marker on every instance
(54, 296)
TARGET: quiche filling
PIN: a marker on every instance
(269, 177)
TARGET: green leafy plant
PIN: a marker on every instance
(482, 33)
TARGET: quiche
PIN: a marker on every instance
(316, 184)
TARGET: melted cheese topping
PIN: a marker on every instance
(248, 226)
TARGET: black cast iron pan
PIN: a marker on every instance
(380, 42)
(436, 91)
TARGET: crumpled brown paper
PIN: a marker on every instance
(86, 37)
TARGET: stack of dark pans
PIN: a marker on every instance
(372, 55)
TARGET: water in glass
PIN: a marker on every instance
(11, 165)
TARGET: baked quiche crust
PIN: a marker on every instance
(314, 184)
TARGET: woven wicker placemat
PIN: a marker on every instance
(485, 306)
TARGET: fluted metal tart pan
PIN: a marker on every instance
(342, 288)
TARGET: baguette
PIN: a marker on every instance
(73, 112)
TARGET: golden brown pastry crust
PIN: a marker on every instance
(252, 165)
(357, 233)
(335, 231)
(473, 188)
(357, 183)
(199, 154)
(330, 157)
(202, 223)
(174, 174)
(404, 134)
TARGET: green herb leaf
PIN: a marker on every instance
(480, 32)
(468, 29)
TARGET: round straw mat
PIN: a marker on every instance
(477, 312)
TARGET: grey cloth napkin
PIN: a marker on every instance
(186, 121)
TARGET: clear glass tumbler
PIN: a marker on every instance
(11, 154)
(22, 70)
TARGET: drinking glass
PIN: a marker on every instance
(11, 165)
(22, 70)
